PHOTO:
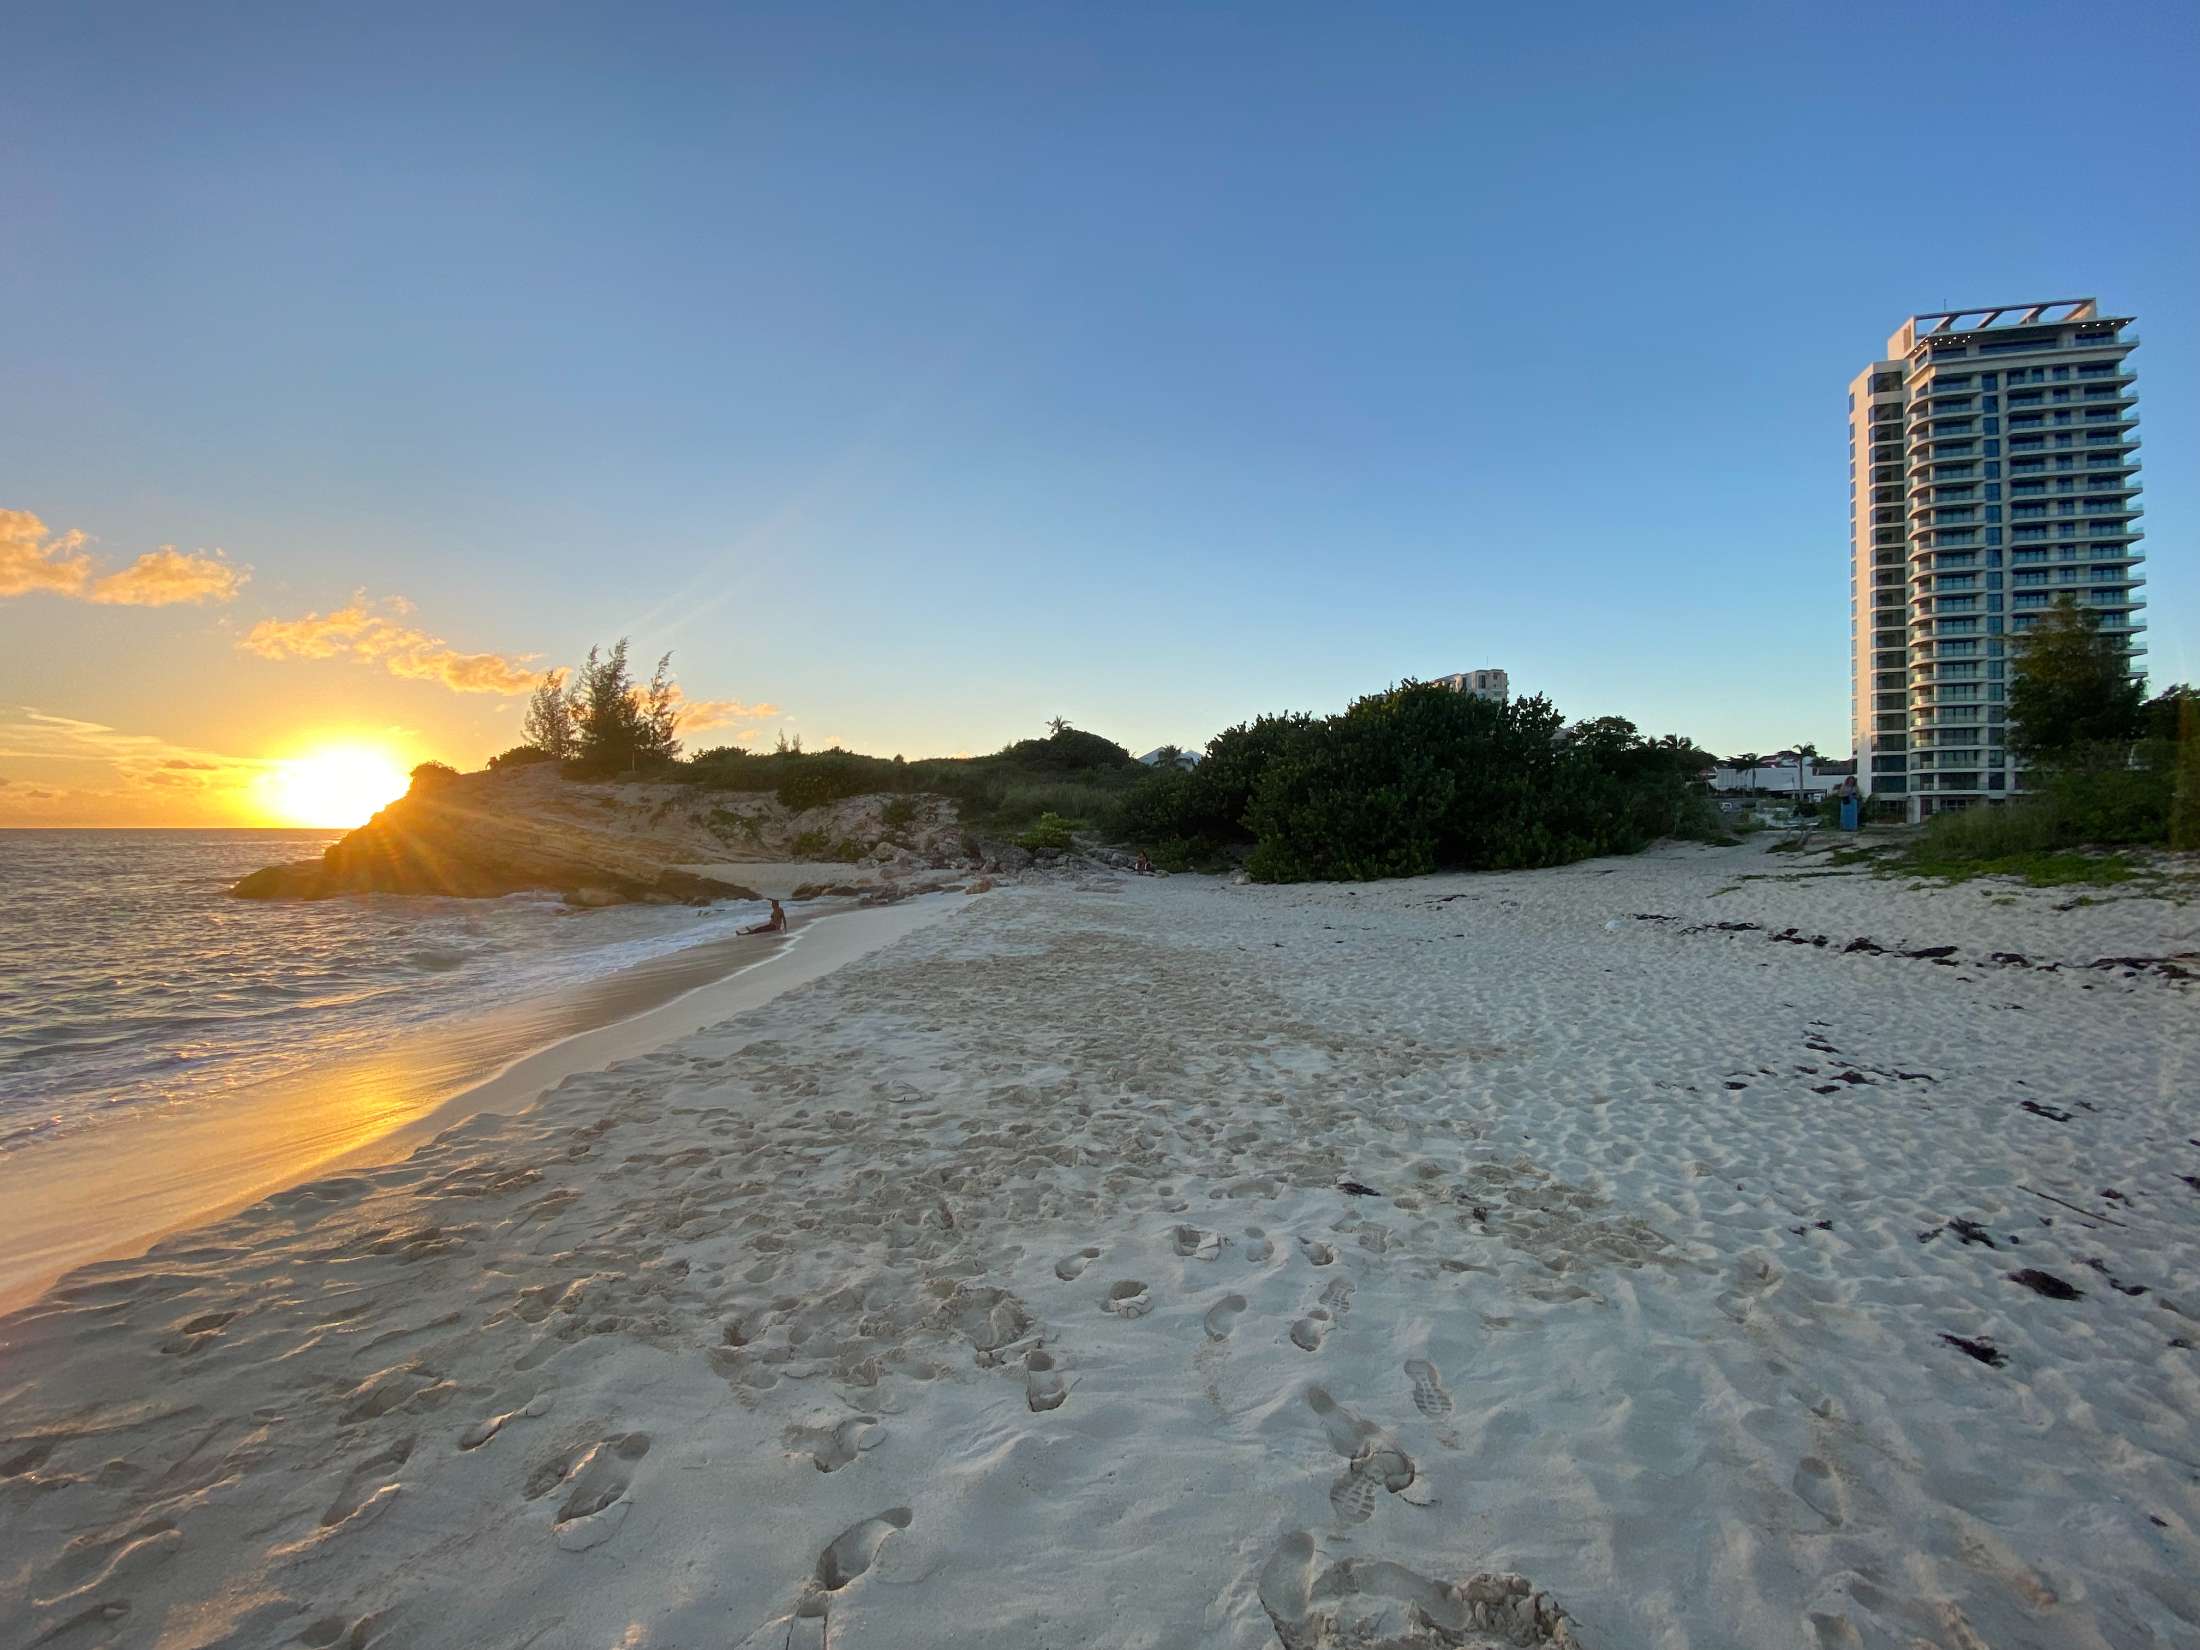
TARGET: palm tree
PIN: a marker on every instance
(1805, 755)
(1749, 760)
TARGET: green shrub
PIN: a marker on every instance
(1068, 750)
(1049, 834)
(431, 776)
(822, 845)
(1420, 777)
(2091, 807)
(899, 814)
(519, 756)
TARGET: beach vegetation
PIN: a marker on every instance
(519, 756)
(548, 724)
(823, 845)
(621, 726)
(431, 776)
(2106, 768)
(1077, 775)
(2073, 698)
(1420, 778)
(1048, 834)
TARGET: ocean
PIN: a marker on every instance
(130, 982)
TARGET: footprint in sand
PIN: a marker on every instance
(482, 1431)
(1195, 1244)
(1072, 1267)
(1373, 1460)
(1259, 1245)
(1429, 1396)
(368, 1488)
(1819, 1490)
(1222, 1317)
(1373, 1601)
(855, 1549)
(1310, 1331)
(91, 1567)
(189, 1337)
(831, 1448)
(1376, 1467)
(1128, 1299)
(402, 1386)
(1044, 1388)
(597, 1480)
(1320, 1254)
(852, 1552)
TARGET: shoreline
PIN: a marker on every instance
(118, 1192)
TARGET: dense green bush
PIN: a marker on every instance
(519, 756)
(1049, 834)
(2094, 807)
(432, 776)
(1416, 779)
(1068, 750)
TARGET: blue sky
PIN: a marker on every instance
(928, 372)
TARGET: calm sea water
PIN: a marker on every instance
(129, 979)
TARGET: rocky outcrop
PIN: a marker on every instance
(482, 835)
(402, 852)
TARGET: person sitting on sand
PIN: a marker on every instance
(776, 923)
(1144, 867)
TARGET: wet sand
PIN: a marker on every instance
(113, 1190)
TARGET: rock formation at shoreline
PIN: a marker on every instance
(483, 835)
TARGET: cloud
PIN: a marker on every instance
(136, 758)
(30, 559)
(377, 633)
(166, 577)
(701, 715)
(34, 559)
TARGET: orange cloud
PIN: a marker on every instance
(377, 634)
(166, 577)
(700, 715)
(30, 559)
(34, 559)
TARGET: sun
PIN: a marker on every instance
(336, 786)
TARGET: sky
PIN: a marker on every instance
(916, 375)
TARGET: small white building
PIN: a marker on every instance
(1775, 780)
(1483, 684)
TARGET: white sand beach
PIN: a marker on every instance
(1567, 1257)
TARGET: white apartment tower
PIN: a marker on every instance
(1993, 469)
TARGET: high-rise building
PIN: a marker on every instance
(1993, 469)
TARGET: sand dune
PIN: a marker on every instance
(1502, 1260)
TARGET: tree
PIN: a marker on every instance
(1749, 760)
(549, 722)
(2169, 713)
(1057, 725)
(1805, 755)
(2073, 692)
(660, 708)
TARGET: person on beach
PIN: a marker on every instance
(776, 923)
(1144, 867)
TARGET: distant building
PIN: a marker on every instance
(1184, 758)
(1774, 779)
(1993, 470)
(1483, 684)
